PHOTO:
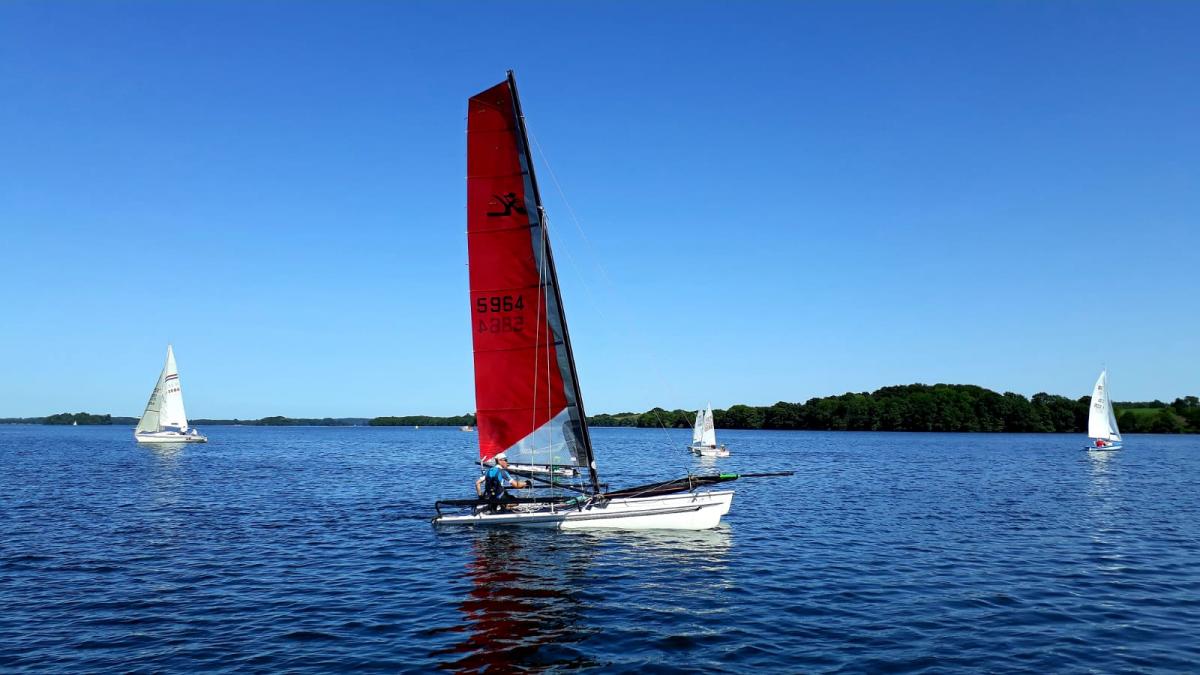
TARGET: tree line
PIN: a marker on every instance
(913, 407)
(467, 420)
(77, 418)
(922, 407)
(281, 421)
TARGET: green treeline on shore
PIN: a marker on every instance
(424, 421)
(71, 418)
(913, 407)
(281, 421)
(77, 418)
(922, 407)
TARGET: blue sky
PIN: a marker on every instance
(759, 202)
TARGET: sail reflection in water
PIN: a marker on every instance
(534, 601)
(525, 603)
(1104, 499)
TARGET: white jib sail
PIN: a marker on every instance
(1102, 423)
(149, 421)
(698, 427)
(709, 433)
(172, 414)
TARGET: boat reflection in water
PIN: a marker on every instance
(165, 479)
(528, 606)
(524, 604)
(1105, 516)
(1103, 470)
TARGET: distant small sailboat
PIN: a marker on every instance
(75, 423)
(1102, 423)
(704, 436)
(164, 420)
(466, 427)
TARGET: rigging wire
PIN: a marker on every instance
(599, 265)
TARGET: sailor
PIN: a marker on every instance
(1100, 443)
(493, 485)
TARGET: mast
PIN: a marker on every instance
(562, 315)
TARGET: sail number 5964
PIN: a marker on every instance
(499, 303)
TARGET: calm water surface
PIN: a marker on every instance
(310, 549)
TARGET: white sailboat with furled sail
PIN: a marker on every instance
(1102, 422)
(704, 435)
(527, 395)
(165, 420)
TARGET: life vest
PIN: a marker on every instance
(493, 487)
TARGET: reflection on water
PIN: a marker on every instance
(1103, 481)
(165, 479)
(166, 453)
(529, 606)
(1104, 506)
(1100, 464)
(525, 597)
(700, 551)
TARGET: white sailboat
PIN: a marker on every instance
(1102, 423)
(704, 436)
(528, 401)
(164, 420)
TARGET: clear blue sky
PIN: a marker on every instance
(774, 201)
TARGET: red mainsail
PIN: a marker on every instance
(526, 398)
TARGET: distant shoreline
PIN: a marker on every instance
(915, 407)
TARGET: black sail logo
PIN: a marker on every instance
(509, 202)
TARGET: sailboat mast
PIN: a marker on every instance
(562, 315)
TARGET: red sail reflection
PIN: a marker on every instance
(522, 613)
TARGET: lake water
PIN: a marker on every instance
(310, 549)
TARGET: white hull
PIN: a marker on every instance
(709, 450)
(170, 437)
(537, 469)
(684, 511)
(1107, 448)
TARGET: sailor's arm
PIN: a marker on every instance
(479, 486)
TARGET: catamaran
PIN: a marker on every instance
(527, 395)
(704, 436)
(1102, 423)
(164, 420)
